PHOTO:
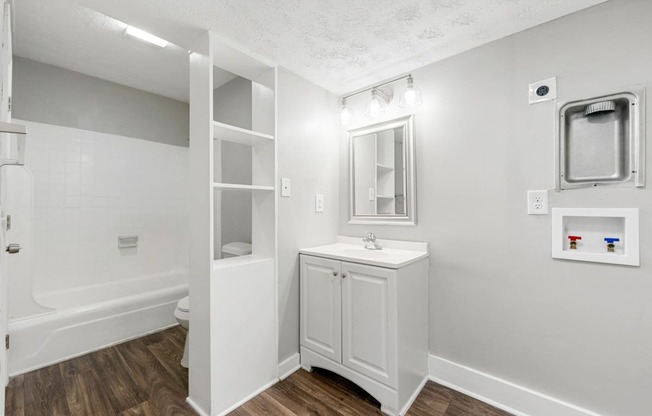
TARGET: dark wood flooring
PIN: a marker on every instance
(143, 377)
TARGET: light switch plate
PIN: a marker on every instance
(372, 194)
(319, 203)
(285, 187)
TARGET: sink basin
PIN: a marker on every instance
(393, 255)
(363, 253)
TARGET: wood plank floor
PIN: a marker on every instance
(143, 377)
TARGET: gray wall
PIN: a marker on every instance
(580, 332)
(307, 145)
(53, 95)
(232, 105)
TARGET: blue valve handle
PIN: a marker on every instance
(611, 239)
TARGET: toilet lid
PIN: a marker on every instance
(237, 249)
(184, 304)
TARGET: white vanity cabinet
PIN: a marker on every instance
(364, 315)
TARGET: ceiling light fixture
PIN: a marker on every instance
(380, 99)
(412, 96)
(140, 34)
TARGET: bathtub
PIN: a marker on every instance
(91, 318)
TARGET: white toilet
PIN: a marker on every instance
(182, 313)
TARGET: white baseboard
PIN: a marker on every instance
(500, 393)
(246, 399)
(414, 396)
(285, 369)
(289, 366)
(195, 407)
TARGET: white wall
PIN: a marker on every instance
(308, 155)
(499, 303)
(53, 95)
(88, 189)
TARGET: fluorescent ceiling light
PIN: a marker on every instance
(145, 36)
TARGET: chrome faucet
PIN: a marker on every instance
(370, 242)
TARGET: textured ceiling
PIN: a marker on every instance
(340, 45)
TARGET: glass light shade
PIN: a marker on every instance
(412, 96)
(377, 104)
(345, 113)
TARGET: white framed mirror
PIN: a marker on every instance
(382, 173)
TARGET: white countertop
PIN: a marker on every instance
(394, 254)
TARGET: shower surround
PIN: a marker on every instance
(82, 190)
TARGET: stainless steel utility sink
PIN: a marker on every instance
(599, 141)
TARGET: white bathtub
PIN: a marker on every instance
(94, 317)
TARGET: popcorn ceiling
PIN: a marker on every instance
(339, 45)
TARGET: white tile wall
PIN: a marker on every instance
(91, 187)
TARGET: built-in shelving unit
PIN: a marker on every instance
(228, 365)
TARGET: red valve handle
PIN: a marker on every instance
(574, 237)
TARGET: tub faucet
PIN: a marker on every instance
(370, 242)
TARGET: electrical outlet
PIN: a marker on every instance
(544, 90)
(537, 202)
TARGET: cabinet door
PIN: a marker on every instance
(369, 321)
(321, 306)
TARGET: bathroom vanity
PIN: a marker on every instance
(364, 315)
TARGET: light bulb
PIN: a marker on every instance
(345, 113)
(377, 104)
(412, 96)
(374, 108)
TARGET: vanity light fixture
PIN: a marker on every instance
(380, 99)
(377, 104)
(345, 113)
(412, 96)
(140, 34)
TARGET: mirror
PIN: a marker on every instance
(382, 173)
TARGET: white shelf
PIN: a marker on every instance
(384, 196)
(235, 134)
(12, 128)
(384, 167)
(238, 187)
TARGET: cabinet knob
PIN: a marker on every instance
(335, 273)
(343, 275)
